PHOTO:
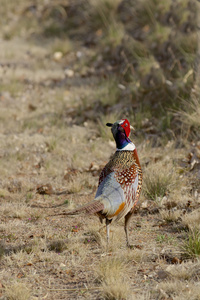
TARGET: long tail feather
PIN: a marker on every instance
(90, 208)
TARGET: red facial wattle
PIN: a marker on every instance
(126, 126)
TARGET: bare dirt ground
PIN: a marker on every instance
(52, 150)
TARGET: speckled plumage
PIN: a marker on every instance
(120, 181)
(127, 172)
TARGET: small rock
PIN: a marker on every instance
(121, 86)
(58, 55)
(62, 266)
(144, 204)
(168, 82)
(69, 73)
(79, 54)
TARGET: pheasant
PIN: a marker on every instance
(120, 182)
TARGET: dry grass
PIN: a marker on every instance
(112, 275)
(185, 271)
(104, 12)
(160, 179)
(103, 130)
(109, 91)
(103, 16)
(192, 220)
(52, 133)
(15, 210)
(17, 291)
(191, 115)
(179, 290)
(171, 215)
(191, 246)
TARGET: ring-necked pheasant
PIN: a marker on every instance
(120, 181)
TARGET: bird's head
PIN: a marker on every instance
(122, 126)
(121, 130)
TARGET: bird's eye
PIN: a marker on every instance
(126, 125)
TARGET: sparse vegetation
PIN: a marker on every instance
(192, 220)
(67, 68)
(17, 291)
(191, 246)
(111, 272)
(171, 215)
(159, 180)
(109, 91)
(178, 289)
(190, 116)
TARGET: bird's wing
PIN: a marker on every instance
(104, 173)
(117, 190)
(128, 179)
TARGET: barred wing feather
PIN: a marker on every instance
(117, 191)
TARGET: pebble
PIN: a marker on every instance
(57, 55)
(69, 72)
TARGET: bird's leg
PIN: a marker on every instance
(108, 230)
(127, 220)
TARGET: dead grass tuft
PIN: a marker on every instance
(159, 180)
(103, 12)
(136, 256)
(190, 116)
(78, 254)
(171, 215)
(20, 258)
(192, 220)
(97, 236)
(77, 183)
(17, 291)
(178, 290)
(20, 211)
(112, 273)
(57, 246)
(14, 210)
(185, 271)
